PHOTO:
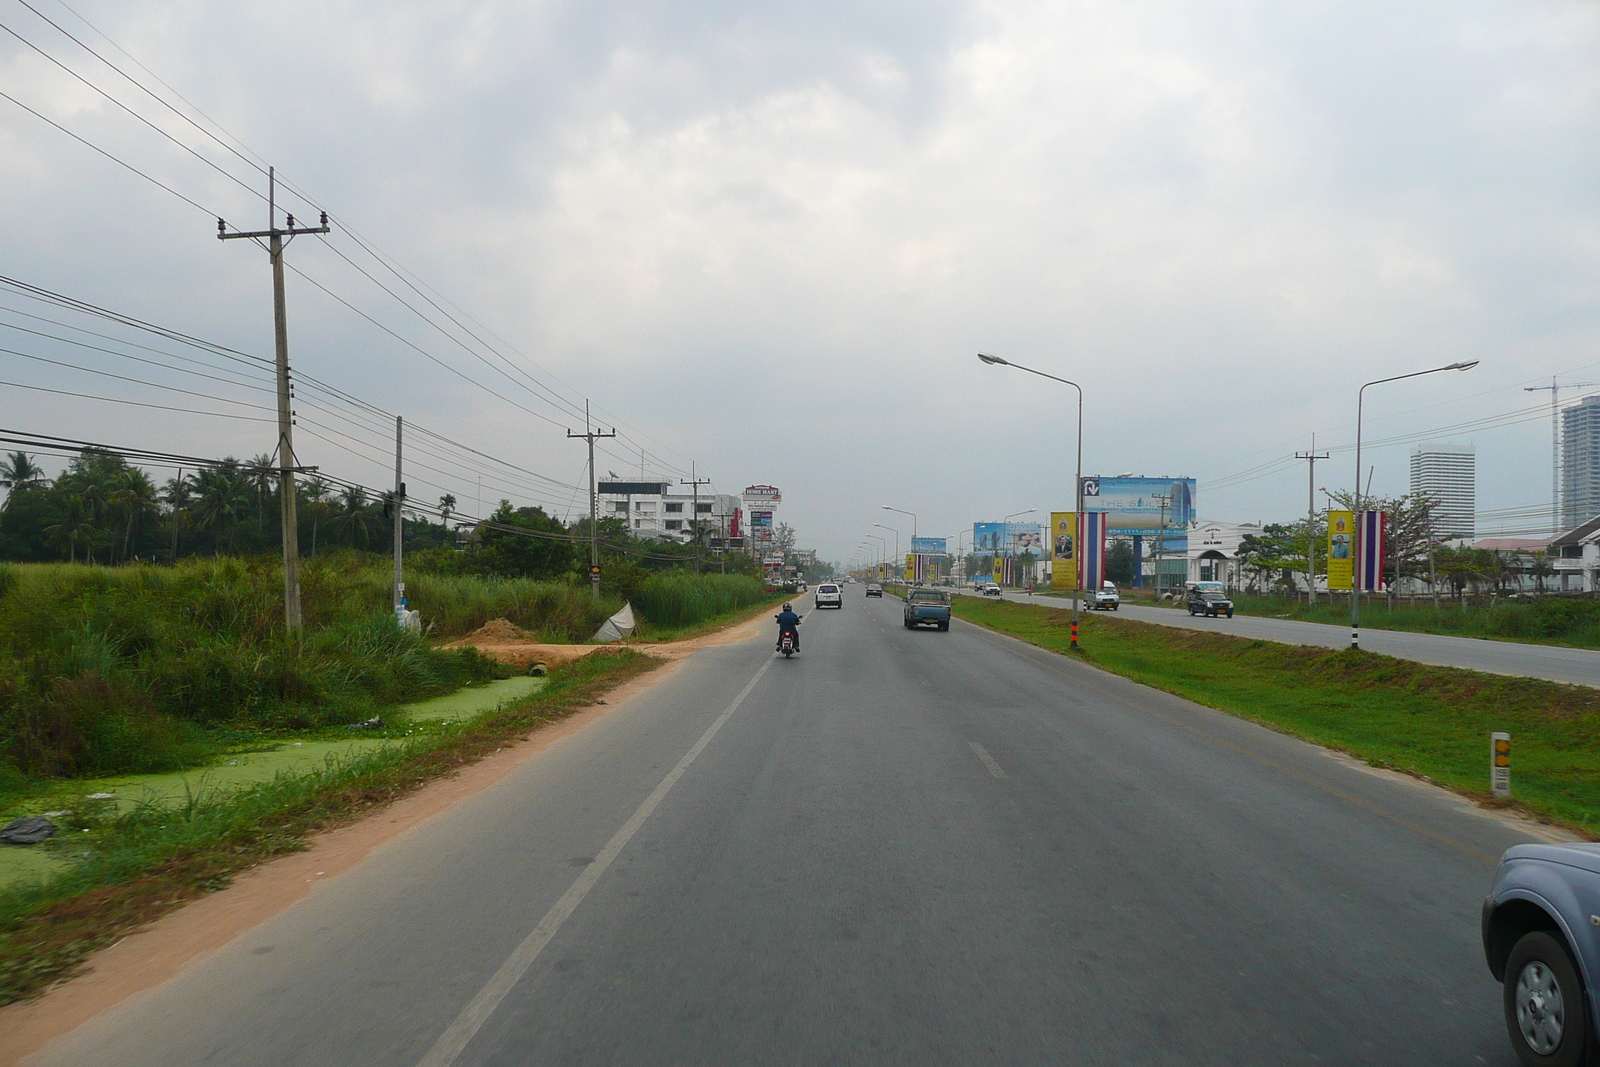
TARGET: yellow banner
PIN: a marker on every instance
(1341, 549)
(911, 567)
(1063, 550)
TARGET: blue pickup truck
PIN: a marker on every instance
(1541, 936)
(927, 607)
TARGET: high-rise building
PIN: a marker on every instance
(1580, 462)
(1448, 474)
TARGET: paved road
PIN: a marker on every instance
(1575, 665)
(915, 848)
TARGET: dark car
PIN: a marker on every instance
(875, 590)
(1541, 938)
(1210, 602)
(928, 607)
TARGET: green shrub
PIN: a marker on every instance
(682, 599)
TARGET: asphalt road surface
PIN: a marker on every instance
(1575, 665)
(899, 847)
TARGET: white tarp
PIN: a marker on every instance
(617, 627)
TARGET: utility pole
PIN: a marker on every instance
(399, 523)
(1163, 500)
(694, 525)
(1311, 518)
(292, 616)
(1555, 445)
(589, 434)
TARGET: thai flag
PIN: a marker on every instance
(1370, 528)
(1092, 539)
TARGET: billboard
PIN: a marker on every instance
(760, 518)
(766, 493)
(1007, 538)
(928, 546)
(1341, 549)
(1141, 505)
(1063, 550)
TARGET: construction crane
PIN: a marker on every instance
(1555, 444)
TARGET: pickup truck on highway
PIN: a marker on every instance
(1541, 935)
(927, 606)
(1106, 598)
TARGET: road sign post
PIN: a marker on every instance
(1500, 764)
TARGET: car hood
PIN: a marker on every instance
(1585, 855)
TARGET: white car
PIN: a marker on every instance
(1106, 598)
(829, 596)
(991, 590)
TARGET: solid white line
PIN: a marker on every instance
(477, 1012)
(988, 760)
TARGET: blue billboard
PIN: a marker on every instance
(1134, 506)
(928, 546)
(1007, 538)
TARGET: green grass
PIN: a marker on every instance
(130, 867)
(1423, 720)
(1567, 621)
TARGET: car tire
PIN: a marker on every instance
(944, 626)
(1230, 614)
(1554, 1031)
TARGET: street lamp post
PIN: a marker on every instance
(1355, 555)
(913, 515)
(1077, 494)
(896, 533)
(884, 548)
(1006, 521)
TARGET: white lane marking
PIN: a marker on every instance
(455, 1037)
(988, 760)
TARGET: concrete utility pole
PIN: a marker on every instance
(1162, 499)
(694, 523)
(589, 434)
(1555, 445)
(292, 616)
(1311, 518)
(399, 523)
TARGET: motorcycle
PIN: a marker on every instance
(786, 645)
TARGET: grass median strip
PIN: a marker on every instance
(133, 866)
(1433, 722)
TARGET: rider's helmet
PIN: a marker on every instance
(786, 606)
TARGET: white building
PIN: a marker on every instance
(1449, 475)
(1580, 462)
(1214, 550)
(663, 509)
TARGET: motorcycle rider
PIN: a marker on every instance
(788, 623)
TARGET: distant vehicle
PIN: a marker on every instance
(927, 606)
(1541, 939)
(875, 590)
(1210, 602)
(991, 590)
(1106, 598)
(829, 596)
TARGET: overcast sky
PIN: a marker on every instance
(769, 238)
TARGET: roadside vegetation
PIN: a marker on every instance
(1433, 722)
(133, 866)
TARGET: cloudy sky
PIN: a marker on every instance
(769, 238)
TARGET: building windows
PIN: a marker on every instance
(621, 505)
(674, 524)
(637, 523)
(674, 509)
(641, 505)
(702, 509)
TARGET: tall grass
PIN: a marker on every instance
(682, 599)
(1556, 620)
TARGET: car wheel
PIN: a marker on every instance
(1230, 614)
(1544, 1005)
(944, 626)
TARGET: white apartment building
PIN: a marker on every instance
(1580, 462)
(663, 509)
(1449, 475)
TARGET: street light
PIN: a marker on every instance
(1077, 495)
(884, 549)
(886, 507)
(1355, 556)
(896, 533)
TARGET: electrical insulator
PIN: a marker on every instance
(222, 227)
(291, 222)
(324, 218)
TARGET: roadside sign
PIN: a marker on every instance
(1500, 764)
(594, 572)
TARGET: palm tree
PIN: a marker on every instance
(352, 517)
(77, 526)
(18, 471)
(447, 504)
(134, 492)
(316, 490)
(178, 495)
(261, 474)
(223, 496)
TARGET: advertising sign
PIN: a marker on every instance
(1063, 550)
(928, 546)
(1341, 549)
(766, 493)
(1007, 538)
(1140, 505)
(733, 523)
(760, 518)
